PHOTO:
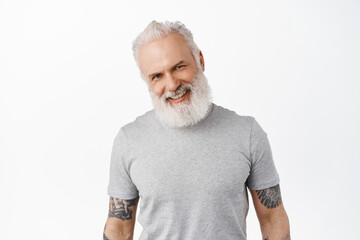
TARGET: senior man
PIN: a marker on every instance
(189, 160)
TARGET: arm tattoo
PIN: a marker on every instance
(287, 237)
(120, 208)
(104, 235)
(270, 197)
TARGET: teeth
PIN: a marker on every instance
(179, 95)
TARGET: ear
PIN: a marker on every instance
(202, 62)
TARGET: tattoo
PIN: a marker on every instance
(270, 197)
(120, 208)
(104, 235)
(287, 237)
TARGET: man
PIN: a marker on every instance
(190, 160)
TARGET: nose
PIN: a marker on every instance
(172, 83)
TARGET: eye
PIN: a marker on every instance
(156, 76)
(179, 66)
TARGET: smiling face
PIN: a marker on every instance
(167, 64)
(178, 87)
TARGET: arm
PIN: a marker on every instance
(121, 219)
(270, 211)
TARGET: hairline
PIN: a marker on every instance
(143, 39)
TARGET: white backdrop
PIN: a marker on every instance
(68, 82)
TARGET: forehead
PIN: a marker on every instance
(162, 53)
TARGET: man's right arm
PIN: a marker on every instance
(121, 219)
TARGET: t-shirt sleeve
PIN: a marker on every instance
(120, 183)
(263, 173)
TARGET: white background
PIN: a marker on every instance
(68, 82)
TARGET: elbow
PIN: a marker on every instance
(117, 233)
(278, 219)
(117, 236)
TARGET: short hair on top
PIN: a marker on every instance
(155, 30)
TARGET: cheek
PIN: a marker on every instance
(186, 76)
(157, 88)
(191, 74)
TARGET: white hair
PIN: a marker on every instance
(156, 30)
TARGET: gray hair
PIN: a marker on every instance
(155, 30)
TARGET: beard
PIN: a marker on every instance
(187, 112)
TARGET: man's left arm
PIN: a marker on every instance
(270, 211)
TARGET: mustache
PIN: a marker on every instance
(181, 88)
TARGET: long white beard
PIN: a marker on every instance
(189, 111)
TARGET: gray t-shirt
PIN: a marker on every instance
(192, 180)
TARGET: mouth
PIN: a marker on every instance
(180, 97)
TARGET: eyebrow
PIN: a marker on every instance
(174, 66)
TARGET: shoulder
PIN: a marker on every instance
(245, 122)
(231, 117)
(139, 126)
